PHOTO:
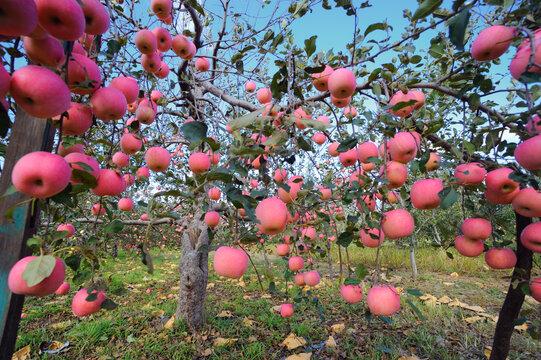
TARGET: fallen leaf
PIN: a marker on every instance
(488, 351)
(293, 341)
(429, 299)
(241, 283)
(222, 341)
(207, 352)
(475, 308)
(247, 322)
(275, 309)
(330, 342)
(247, 297)
(252, 339)
(169, 324)
(448, 283)
(412, 357)
(61, 324)
(454, 274)
(157, 313)
(338, 328)
(473, 319)
(22, 354)
(225, 313)
(210, 285)
(445, 299)
(522, 327)
(266, 296)
(457, 303)
(301, 356)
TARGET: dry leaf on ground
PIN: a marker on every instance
(247, 322)
(293, 341)
(301, 356)
(157, 313)
(330, 342)
(225, 313)
(454, 274)
(223, 341)
(169, 324)
(207, 352)
(22, 353)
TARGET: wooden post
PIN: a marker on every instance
(28, 134)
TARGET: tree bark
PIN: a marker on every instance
(515, 296)
(193, 268)
(412, 257)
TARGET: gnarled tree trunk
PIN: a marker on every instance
(193, 268)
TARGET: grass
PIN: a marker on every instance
(135, 329)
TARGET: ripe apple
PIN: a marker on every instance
(130, 144)
(125, 204)
(47, 51)
(78, 121)
(469, 174)
(121, 159)
(522, 57)
(533, 126)
(500, 187)
(81, 307)
(308, 232)
(142, 173)
(199, 162)
(31, 178)
(527, 153)
(264, 95)
(469, 247)
(492, 42)
(286, 310)
(47, 286)
(73, 158)
(212, 218)
(109, 183)
(214, 194)
(128, 86)
(96, 17)
(18, 17)
(332, 149)
(129, 178)
(295, 263)
(433, 162)
(501, 258)
(63, 289)
(531, 237)
(348, 158)
(326, 194)
(368, 240)
(162, 8)
(396, 173)
(181, 46)
(163, 71)
(66, 227)
(477, 228)
(146, 42)
(250, 86)
(230, 262)
(272, 213)
(320, 138)
(202, 64)
(299, 279)
(282, 250)
(351, 293)
(339, 102)
(400, 97)
(403, 147)
(163, 38)
(535, 288)
(280, 175)
(321, 80)
(383, 300)
(424, 194)
(342, 83)
(528, 202)
(108, 104)
(397, 223)
(151, 62)
(157, 159)
(366, 150)
(288, 196)
(368, 200)
(84, 75)
(63, 19)
(39, 91)
(311, 278)
(97, 210)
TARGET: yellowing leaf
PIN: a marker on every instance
(22, 353)
(473, 319)
(444, 299)
(275, 309)
(61, 324)
(224, 314)
(412, 357)
(157, 313)
(474, 308)
(247, 297)
(293, 341)
(223, 341)
(252, 339)
(330, 342)
(210, 285)
(522, 327)
(169, 324)
(454, 274)
(247, 322)
(266, 296)
(207, 352)
(301, 356)
(448, 283)
(338, 328)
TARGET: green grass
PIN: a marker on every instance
(135, 329)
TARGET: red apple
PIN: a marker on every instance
(299, 280)
(433, 162)
(342, 83)
(531, 237)
(84, 75)
(272, 213)
(400, 97)
(264, 95)
(295, 263)
(202, 64)
(47, 286)
(348, 158)
(500, 187)
(97, 210)
(527, 153)
(368, 240)
(214, 194)
(492, 42)
(403, 147)
(121, 159)
(146, 42)
(396, 173)
(96, 17)
(286, 310)
(108, 104)
(501, 258)
(477, 228)
(280, 175)
(47, 51)
(351, 293)
(125, 204)
(230, 262)
(332, 149)
(18, 17)
(397, 223)
(212, 219)
(128, 86)
(282, 250)
(528, 202)
(78, 121)
(142, 173)
(162, 8)
(311, 278)
(424, 194)
(535, 288)
(164, 39)
(383, 300)
(109, 183)
(63, 289)
(151, 62)
(63, 19)
(366, 150)
(74, 158)
(199, 162)
(157, 159)
(66, 227)
(469, 247)
(250, 86)
(130, 143)
(321, 80)
(81, 307)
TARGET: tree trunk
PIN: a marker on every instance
(193, 268)
(515, 296)
(412, 257)
(330, 259)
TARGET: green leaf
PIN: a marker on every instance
(221, 174)
(347, 144)
(529, 77)
(345, 238)
(39, 269)
(426, 8)
(84, 177)
(278, 138)
(168, 215)
(303, 144)
(314, 70)
(318, 125)
(352, 281)
(416, 309)
(414, 292)
(10, 191)
(374, 27)
(310, 45)
(113, 47)
(114, 226)
(457, 27)
(194, 130)
(361, 271)
(448, 197)
(244, 121)
(248, 239)
(108, 304)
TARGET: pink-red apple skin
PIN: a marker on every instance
(230, 262)
(250, 86)
(528, 202)
(299, 280)
(400, 97)
(18, 17)
(47, 51)
(424, 194)
(5, 79)
(383, 300)
(368, 240)
(63, 289)
(296, 263)
(128, 86)
(342, 83)
(535, 288)
(492, 42)
(146, 42)
(531, 237)
(164, 39)
(351, 293)
(528, 153)
(97, 19)
(366, 150)
(109, 183)
(199, 162)
(162, 8)
(311, 278)
(469, 174)
(108, 104)
(501, 258)
(272, 213)
(31, 178)
(282, 249)
(403, 147)
(125, 204)
(287, 310)
(157, 159)
(80, 70)
(78, 121)
(264, 95)
(214, 194)
(130, 143)
(521, 59)
(500, 187)
(202, 64)
(46, 287)
(396, 173)
(97, 210)
(63, 19)
(142, 172)
(121, 159)
(469, 247)
(397, 223)
(433, 162)
(66, 227)
(348, 158)
(81, 307)
(74, 158)
(39, 91)
(212, 218)
(477, 228)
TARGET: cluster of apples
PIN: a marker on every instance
(54, 283)
(494, 41)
